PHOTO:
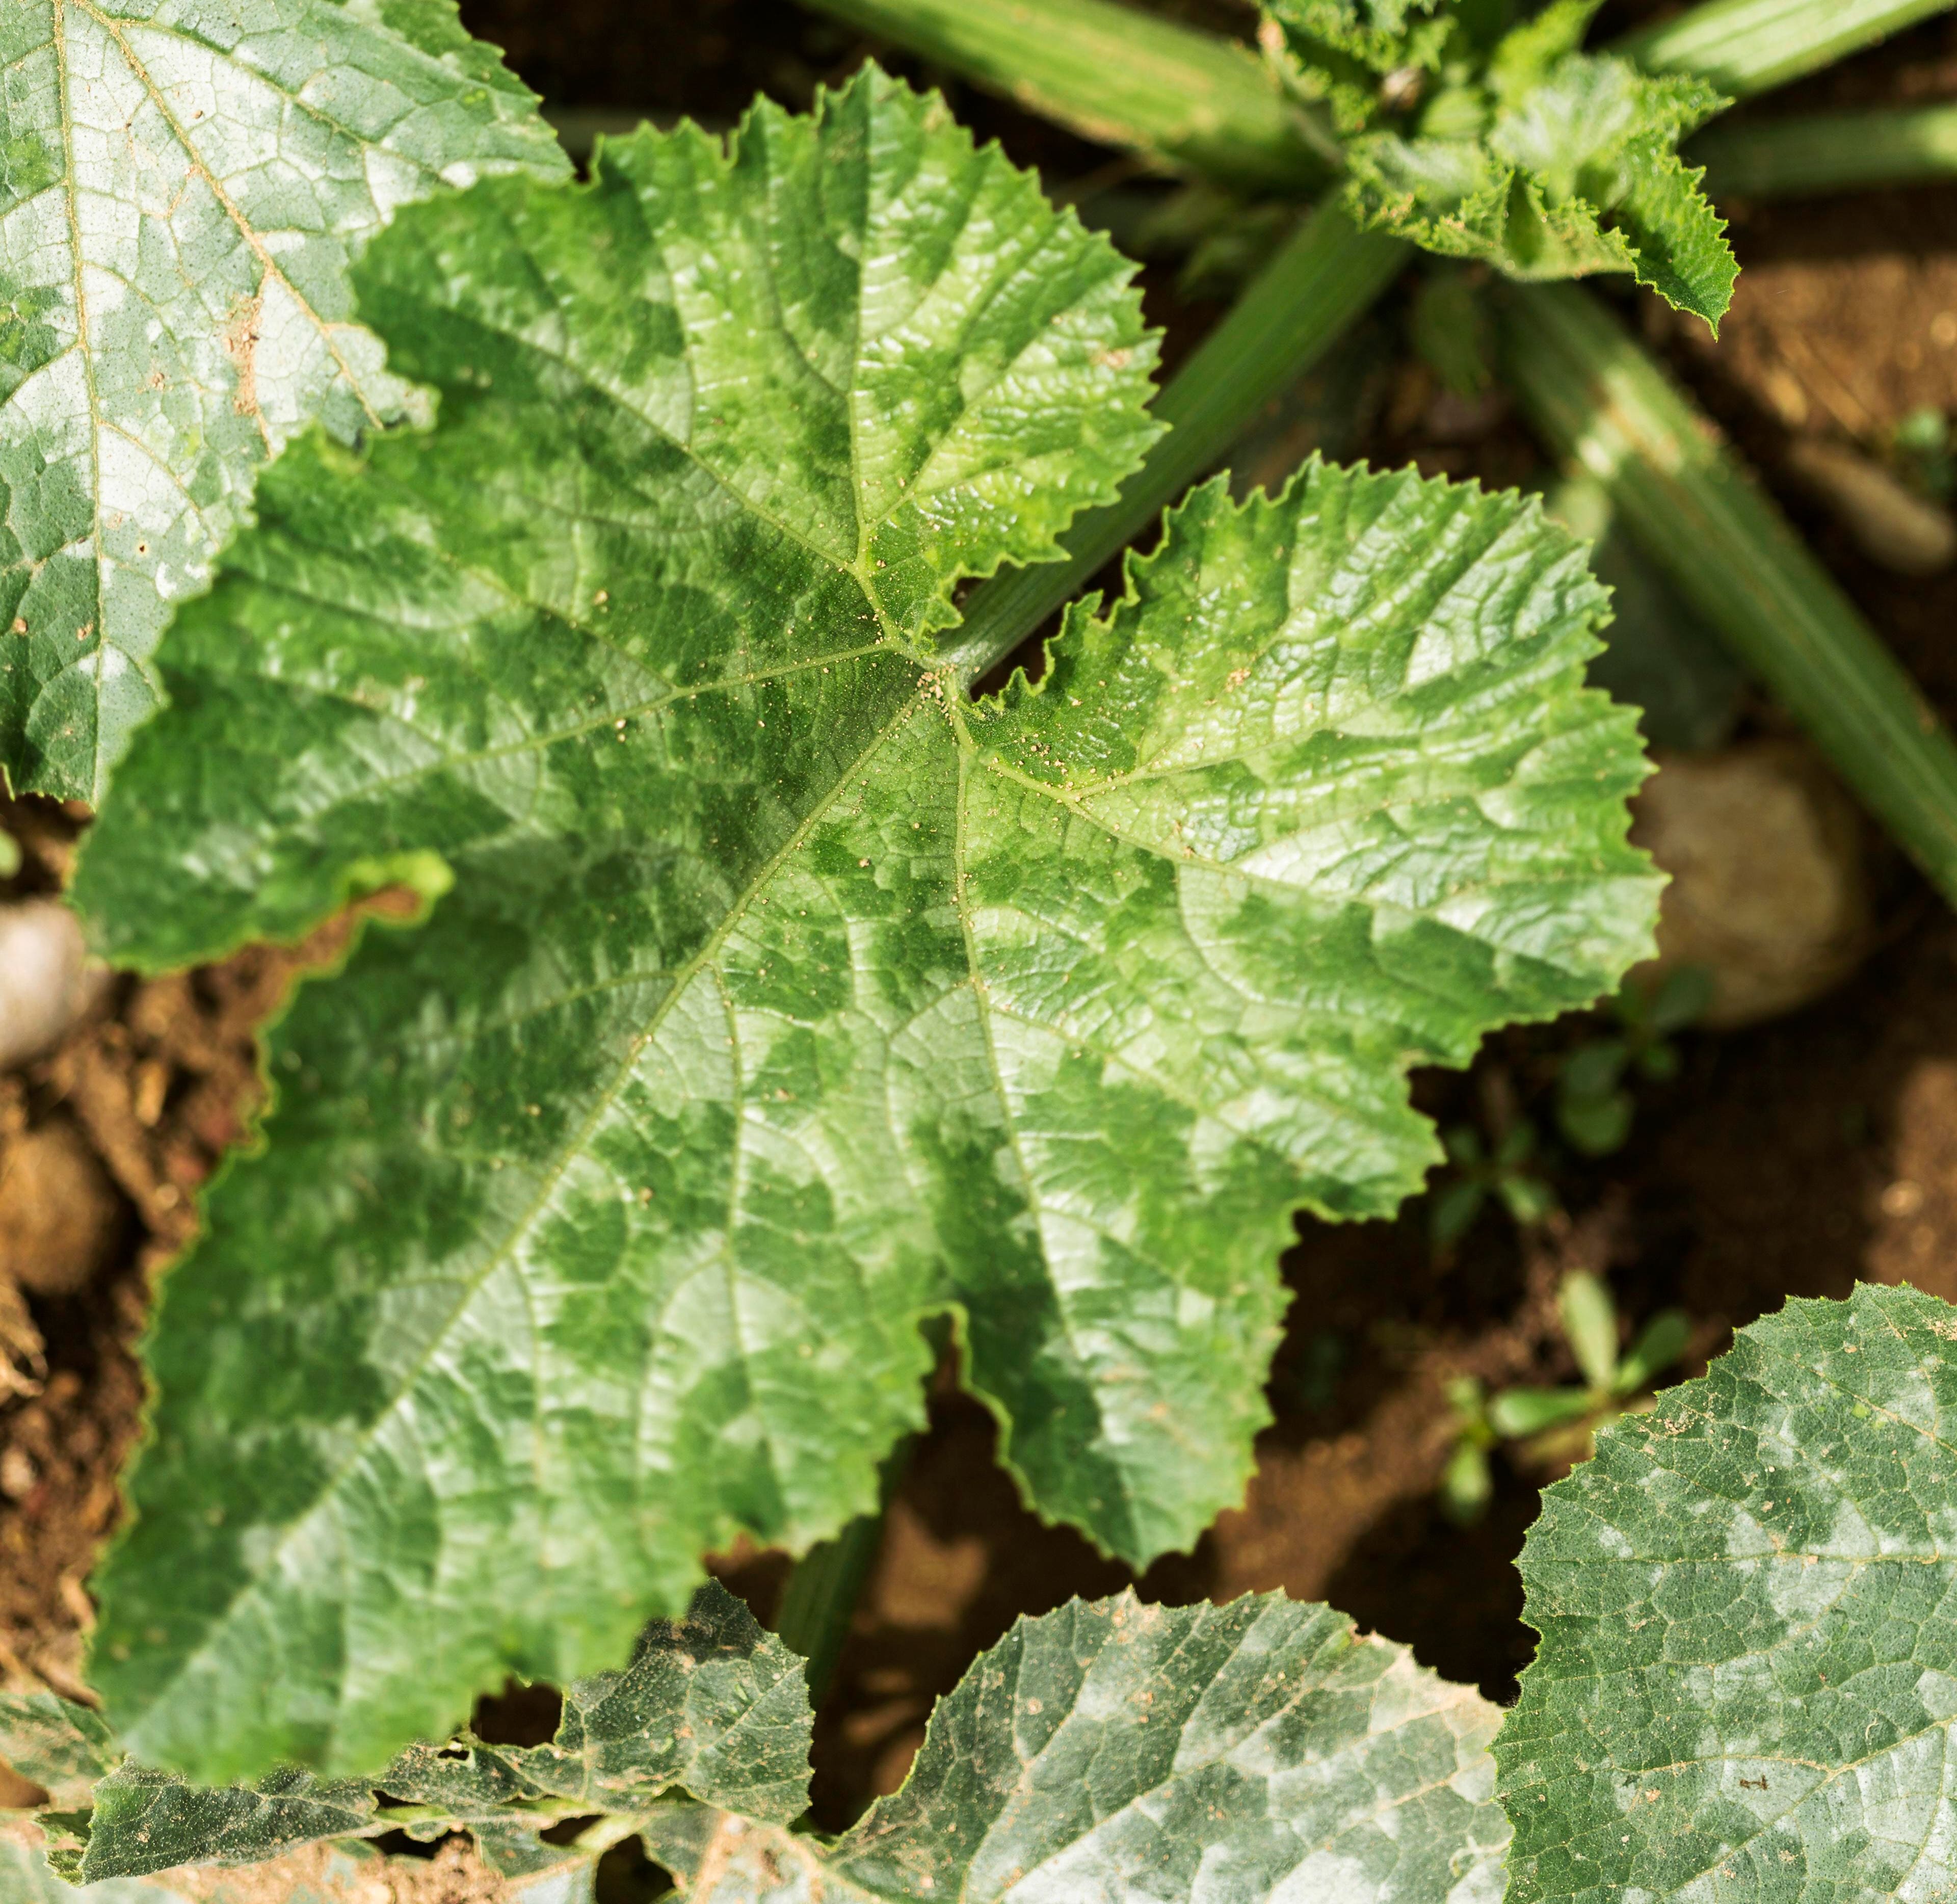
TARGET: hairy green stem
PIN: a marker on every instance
(1817, 152)
(1321, 278)
(1597, 398)
(1182, 100)
(1743, 46)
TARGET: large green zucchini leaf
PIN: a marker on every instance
(1748, 1671)
(181, 184)
(779, 996)
(1201, 1755)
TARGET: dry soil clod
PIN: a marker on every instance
(60, 1216)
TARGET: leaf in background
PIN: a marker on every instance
(1578, 174)
(781, 997)
(710, 1705)
(1235, 1754)
(1346, 53)
(1748, 1670)
(26, 1878)
(62, 1747)
(184, 184)
(1524, 153)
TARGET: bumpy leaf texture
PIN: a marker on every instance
(1231, 1755)
(1748, 1670)
(1547, 163)
(1242, 1755)
(183, 184)
(781, 996)
(710, 1707)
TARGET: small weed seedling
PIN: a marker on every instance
(1594, 1109)
(1508, 1173)
(1555, 1425)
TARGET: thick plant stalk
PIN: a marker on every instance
(1320, 280)
(1820, 152)
(1743, 46)
(1596, 398)
(1185, 100)
(820, 1600)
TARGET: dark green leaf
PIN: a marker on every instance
(783, 997)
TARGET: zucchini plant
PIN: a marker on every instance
(778, 1007)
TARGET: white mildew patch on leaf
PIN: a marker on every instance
(182, 184)
(1748, 1607)
(1258, 1753)
(778, 996)
(710, 1707)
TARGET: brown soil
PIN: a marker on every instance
(1789, 1159)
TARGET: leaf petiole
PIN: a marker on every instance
(1824, 152)
(1595, 396)
(1746, 46)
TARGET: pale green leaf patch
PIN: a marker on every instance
(1201, 1755)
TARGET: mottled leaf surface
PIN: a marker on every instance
(1242, 1755)
(182, 183)
(63, 1747)
(779, 996)
(1521, 151)
(710, 1705)
(1748, 1671)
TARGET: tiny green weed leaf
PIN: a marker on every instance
(183, 184)
(780, 996)
(1232, 1755)
(1748, 1670)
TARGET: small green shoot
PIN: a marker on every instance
(1554, 1424)
(1921, 446)
(1507, 1174)
(10, 856)
(1594, 1108)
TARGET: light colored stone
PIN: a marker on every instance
(1768, 891)
(47, 981)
